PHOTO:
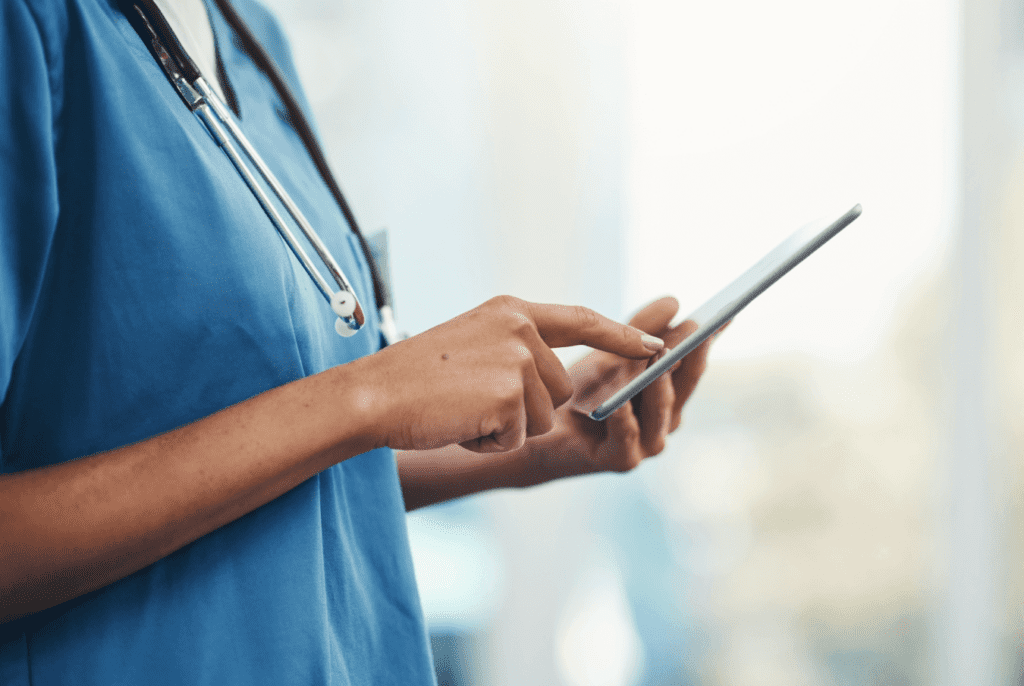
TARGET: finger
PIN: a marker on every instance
(674, 337)
(656, 404)
(680, 333)
(655, 317)
(511, 435)
(565, 325)
(685, 379)
(623, 439)
(540, 412)
(552, 373)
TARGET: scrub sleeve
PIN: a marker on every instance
(141, 288)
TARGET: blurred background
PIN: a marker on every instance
(843, 505)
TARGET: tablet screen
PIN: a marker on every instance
(714, 313)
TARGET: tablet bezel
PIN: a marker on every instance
(727, 303)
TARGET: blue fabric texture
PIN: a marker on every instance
(141, 288)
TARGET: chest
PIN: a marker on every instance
(168, 294)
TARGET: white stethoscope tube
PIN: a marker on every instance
(207, 105)
(213, 113)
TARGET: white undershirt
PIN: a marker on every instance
(191, 24)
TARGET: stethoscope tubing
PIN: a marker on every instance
(213, 120)
(209, 108)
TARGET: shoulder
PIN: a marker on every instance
(43, 13)
(33, 39)
(24, 23)
(49, 38)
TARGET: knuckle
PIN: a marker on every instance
(626, 333)
(490, 425)
(520, 324)
(561, 390)
(561, 395)
(504, 302)
(584, 318)
(507, 312)
(506, 392)
(521, 354)
(511, 315)
(512, 391)
(508, 307)
(512, 435)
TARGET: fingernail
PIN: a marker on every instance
(652, 342)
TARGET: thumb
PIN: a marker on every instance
(655, 317)
(564, 325)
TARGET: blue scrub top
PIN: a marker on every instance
(141, 288)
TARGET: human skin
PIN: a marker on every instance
(486, 380)
(576, 444)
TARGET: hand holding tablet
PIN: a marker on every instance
(716, 312)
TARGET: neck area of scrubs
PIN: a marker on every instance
(191, 24)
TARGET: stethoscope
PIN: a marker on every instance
(159, 37)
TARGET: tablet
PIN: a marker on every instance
(717, 311)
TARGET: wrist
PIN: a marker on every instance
(530, 464)
(357, 409)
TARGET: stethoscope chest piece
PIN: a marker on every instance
(344, 304)
(183, 74)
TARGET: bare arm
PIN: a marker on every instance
(435, 476)
(74, 527)
(487, 379)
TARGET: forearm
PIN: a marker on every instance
(434, 476)
(482, 378)
(71, 528)
(429, 477)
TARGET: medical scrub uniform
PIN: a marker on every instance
(141, 288)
